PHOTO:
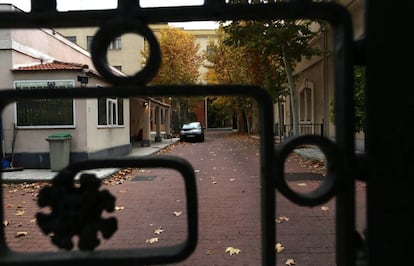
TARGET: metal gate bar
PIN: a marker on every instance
(44, 14)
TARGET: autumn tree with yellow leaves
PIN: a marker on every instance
(180, 65)
(235, 65)
(181, 60)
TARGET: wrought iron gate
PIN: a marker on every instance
(385, 166)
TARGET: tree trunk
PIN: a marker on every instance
(246, 118)
(255, 125)
(241, 122)
(293, 94)
(281, 119)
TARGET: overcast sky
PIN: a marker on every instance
(65, 5)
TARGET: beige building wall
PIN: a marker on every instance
(129, 55)
(129, 59)
(45, 45)
(35, 46)
(33, 139)
(203, 38)
(87, 135)
(318, 72)
(105, 137)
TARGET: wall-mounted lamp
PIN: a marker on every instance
(84, 79)
(144, 104)
(85, 69)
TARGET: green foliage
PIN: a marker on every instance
(273, 41)
(264, 53)
(271, 37)
(359, 100)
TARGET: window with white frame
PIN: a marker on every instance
(47, 112)
(110, 111)
(89, 40)
(71, 38)
(116, 44)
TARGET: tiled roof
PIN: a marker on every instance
(55, 65)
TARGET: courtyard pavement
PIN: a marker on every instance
(32, 175)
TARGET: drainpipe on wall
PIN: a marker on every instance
(325, 119)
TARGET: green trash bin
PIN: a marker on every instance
(59, 150)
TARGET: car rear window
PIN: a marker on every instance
(191, 125)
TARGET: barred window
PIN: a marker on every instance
(45, 112)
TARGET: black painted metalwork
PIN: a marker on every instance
(327, 189)
(161, 255)
(76, 211)
(116, 28)
(129, 17)
(304, 129)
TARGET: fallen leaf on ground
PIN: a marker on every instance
(232, 251)
(210, 252)
(302, 185)
(177, 213)
(6, 223)
(151, 240)
(324, 208)
(279, 248)
(282, 219)
(158, 231)
(20, 234)
(232, 179)
(290, 262)
(20, 213)
(118, 208)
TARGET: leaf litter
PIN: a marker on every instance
(232, 251)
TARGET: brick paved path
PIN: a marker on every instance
(229, 209)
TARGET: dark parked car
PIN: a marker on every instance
(192, 131)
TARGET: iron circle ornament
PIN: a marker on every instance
(327, 188)
(116, 28)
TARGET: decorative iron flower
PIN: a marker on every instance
(76, 210)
